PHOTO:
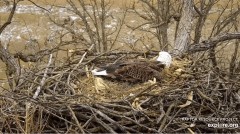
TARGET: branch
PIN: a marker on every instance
(44, 78)
(9, 18)
(35, 57)
(76, 120)
(212, 42)
(39, 6)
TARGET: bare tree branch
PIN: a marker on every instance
(38, 6)
(212, 42)
(9, 17)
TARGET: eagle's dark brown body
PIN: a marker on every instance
(138, 71)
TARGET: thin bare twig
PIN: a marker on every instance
(44, 78)
(76, 120)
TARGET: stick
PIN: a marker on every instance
(76, 120)
(75, 68)
(43, 79)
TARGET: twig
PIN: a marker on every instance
(10, 17)
(204, 96)
(165, 118)
(139, 93)
(38, 6)
(75, 68)
(106, 117)
(141, 125)
(44, 78)
(109, 119)
(107, 127)
(76, 120)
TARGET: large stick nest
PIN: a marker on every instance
(191, 96)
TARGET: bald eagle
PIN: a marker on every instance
(136, 71)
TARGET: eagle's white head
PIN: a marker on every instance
(165, 58)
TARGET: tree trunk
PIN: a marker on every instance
(13, 68)
(184, 29)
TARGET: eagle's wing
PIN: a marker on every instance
(136, 73)
(112, 67)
